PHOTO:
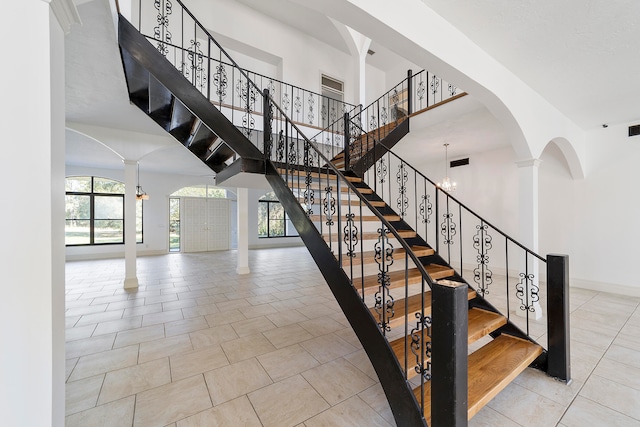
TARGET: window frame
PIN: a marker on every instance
(286, 220)
(92, 214)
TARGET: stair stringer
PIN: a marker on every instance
(139, 49)
(398, 391)
(391, 139)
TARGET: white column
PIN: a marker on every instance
(32, 359)
(130, 256)
(361, 44)
(528, 221)
(243, 231)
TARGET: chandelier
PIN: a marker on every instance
(446, 183)
(140, 193)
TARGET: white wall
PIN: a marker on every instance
(594, 220)
(603, 211)
(32, 305)
(303, 59)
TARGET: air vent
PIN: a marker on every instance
(370, 52)
(330, 83)
(460, 162)
(634, 130)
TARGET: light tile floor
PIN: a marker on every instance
(199, 345)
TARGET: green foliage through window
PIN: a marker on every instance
(272, 219)
(94, 211)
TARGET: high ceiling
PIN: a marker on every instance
(581, 55)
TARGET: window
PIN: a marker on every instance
(95, 212)
(201, 191)
(174, 224)
(272, 219)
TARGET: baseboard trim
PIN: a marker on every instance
(630, 291)
(109, 255)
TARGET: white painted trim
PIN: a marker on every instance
(630, 291)
(66, 13)
(111, 255)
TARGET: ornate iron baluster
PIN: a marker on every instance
(418, 343)
(293, 153)
(448, 228)
(333, 114)
(350, 235)
(310, 115)
(280, 148)
(248, 95)
(381, 171)
(426, 208)
(373, 123)
(161, 31)
(323, 113)
(394, 100)
(308, 180)
(421, 90)
(220, 80)
(435, 84)
(384, 301)
(403, 201)
(193, 66)
(527, 292)
(272, 88)
(297, 105)
(329, 205)
(452, 90)
(383, 116)
(482, 275)
(286, 102)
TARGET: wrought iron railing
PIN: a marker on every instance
(413, 95)
(362, 253)
(480, 252)
(179, 36)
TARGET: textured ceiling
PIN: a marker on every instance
(581, 55)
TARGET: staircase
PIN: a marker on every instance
(392, 280)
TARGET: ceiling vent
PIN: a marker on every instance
(460, 162)
(634, 130)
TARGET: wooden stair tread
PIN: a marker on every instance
(369, 257)
(318, 175)
(491, 369)
(355, 201)
(364, 218)
(481, 323)
(413, 305)
(495, 365)
(372, 235)
(397, 278)
(315, 186)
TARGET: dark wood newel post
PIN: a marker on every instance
(267, 136)
(449, 382)
(558, 310)
(347, 136)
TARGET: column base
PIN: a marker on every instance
(243, 270)
(131, 283)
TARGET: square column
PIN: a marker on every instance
(243, 231)
(130, 255)
(528, 206)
